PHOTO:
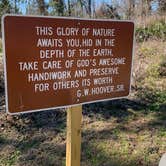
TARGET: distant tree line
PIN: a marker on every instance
(121, 9)
(84, 8)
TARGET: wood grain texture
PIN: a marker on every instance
(73, 144)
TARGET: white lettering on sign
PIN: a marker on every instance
(104, 71)
(103, 32)
(44, 30)
(61, 31)
(51, 53)
(65, 85)
(52, 65)
(109, 42)
(103, 80)
(33, 77)
(102, 90)
(41, 87)
(50, 43)
(102, 52)
(28, 66)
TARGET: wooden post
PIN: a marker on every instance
(73, 144)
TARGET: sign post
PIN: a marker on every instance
(65, 62)
(73, 142)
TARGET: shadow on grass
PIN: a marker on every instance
(52, 120)
(147, 101)
(34, 151)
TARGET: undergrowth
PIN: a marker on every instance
(155, 30)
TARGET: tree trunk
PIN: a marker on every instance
(59, 5)
(15, 6)
(89, 8)
(162, 6)
(42, 7)
(131, 9)
(69, 8)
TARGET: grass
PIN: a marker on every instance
(152, 79)
(133, 137)
(10, 160)
(132, 142)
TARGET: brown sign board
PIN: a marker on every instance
(58, 62)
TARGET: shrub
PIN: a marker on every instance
(156, 30)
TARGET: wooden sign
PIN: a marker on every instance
(58, 62)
